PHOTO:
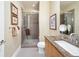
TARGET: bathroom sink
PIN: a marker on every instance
(68, 47)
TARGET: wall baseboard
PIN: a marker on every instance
(16, 52)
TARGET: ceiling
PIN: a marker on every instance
(66, 3)
(29, 4)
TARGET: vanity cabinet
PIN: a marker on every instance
(51, 50)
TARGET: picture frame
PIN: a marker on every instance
(14, 21)
(14, 9)
(14, 14)
(14, 32)
(52, 22)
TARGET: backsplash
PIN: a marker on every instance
(74, 40)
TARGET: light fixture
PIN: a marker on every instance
(62, 29)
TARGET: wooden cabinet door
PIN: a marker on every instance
(46, 48)
(55, 52)
(50, 50)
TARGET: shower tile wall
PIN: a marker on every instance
(34, 26)
(31, 21)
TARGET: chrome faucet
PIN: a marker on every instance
(74, 38)
(77, 41)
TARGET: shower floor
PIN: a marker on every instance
(29, 43)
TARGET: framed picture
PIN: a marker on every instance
(14, 32)
(14, 14)
(52, 22)
(14, 21)
(14, 9)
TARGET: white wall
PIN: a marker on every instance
(1, 27)
(1, 20)
(12, 43)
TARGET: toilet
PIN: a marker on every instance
(41, 47)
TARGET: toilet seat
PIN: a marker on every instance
(41, 44)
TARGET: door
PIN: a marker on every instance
(34, 26)
(1, 28)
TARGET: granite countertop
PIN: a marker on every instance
(51, 39)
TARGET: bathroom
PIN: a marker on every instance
(67, 18)
(52, 33)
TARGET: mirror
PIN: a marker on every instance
(69, 15)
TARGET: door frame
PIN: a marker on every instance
(2, 28)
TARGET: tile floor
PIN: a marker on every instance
(29, 52)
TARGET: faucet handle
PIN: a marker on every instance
(77, 42)
(74, 38)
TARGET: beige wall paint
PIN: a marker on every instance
(75, 6)
(11, 43)
(55, 9)
(43, 19)
(46, 10)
